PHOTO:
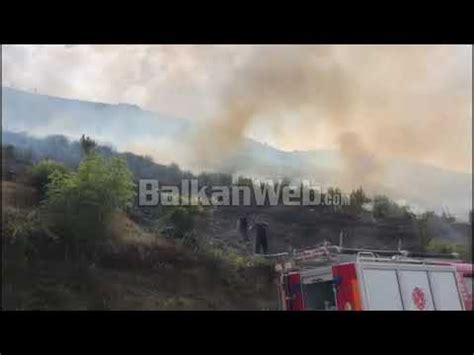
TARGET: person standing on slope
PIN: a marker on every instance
(261, 241)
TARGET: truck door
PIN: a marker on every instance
(445, 291)
(381, 289)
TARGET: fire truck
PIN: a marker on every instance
(335, 278)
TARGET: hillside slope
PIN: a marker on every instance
(136, 270)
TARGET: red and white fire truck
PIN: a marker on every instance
(335, 278)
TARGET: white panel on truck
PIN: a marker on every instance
(445, 291)
(416, 292)
(382, 289)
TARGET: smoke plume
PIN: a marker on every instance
(371, 102)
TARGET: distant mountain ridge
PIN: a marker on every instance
(124, 126)
(43, 115)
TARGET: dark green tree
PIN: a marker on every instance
(41, 173)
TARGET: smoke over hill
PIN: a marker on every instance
(128, 128)
(409, 102)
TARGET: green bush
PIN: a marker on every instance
(182, 219)
(80, 204)
(41, 173)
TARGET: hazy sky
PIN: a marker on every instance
(412, 102)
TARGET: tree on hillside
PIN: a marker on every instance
(80, 204)
(358, 199)
(87, 145)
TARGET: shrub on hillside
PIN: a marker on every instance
(182, 219)
(80, 204)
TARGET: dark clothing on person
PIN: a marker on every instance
(244, 228)
(261, 244)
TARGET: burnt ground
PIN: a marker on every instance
(301, 226)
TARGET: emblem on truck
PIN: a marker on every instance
(418, 296)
